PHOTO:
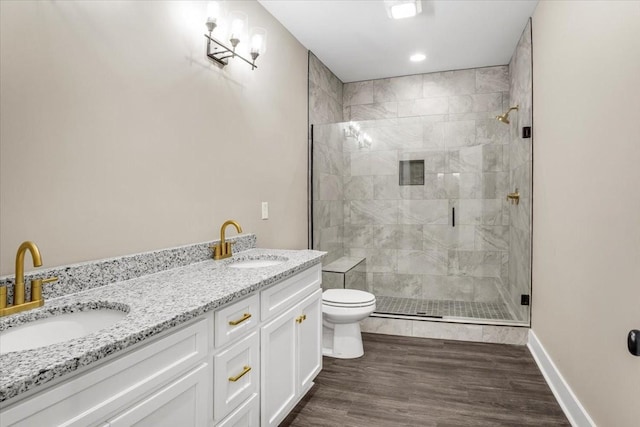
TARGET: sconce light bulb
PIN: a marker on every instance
(236, 28)
(256, 43)
(213, 11)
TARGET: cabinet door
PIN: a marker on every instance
(181, 403)
(278, 374)
(309, 341)
(113, 386)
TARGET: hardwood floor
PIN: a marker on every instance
(403, 381)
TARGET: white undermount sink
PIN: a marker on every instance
(56, 329)
(256, 263)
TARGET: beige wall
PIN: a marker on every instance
(586, 229)
(118, 136)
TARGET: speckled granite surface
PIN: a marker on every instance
(155, 303)
(92, 274)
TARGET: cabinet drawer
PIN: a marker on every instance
(287, 293)
(236, 320)
(181, 403)
(236, 375)
(93, 396)
(247, 415)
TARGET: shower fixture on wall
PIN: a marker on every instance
(504, 118)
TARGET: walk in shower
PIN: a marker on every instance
(423, 197)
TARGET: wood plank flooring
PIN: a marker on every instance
(403, 381)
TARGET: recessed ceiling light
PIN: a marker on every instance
(400, 9)
(417, 57)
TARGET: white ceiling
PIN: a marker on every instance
(358, 41)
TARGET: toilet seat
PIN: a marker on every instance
(347, 298)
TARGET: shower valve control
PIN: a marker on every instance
(633, 342)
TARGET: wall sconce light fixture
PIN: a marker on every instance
(219, 52)
(353, 131)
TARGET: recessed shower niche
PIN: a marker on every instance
(411, 172)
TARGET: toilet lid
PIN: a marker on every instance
(347, 297)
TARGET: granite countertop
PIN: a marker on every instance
(154, 303)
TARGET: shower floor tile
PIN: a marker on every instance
(442, 308)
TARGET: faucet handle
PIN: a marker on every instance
(36, 288)
(217, 250)
(3, 297)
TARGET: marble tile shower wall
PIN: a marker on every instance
(328, 191)
(325, 93)
(325, 106)
(520, 175)
(448, 120)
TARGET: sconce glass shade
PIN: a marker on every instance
(258, 40)
(237, 27)
(213, 11)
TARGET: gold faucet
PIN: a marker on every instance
(223, 249)
(18, 289)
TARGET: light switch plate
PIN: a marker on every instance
(265, 210)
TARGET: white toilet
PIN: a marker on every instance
(342, 311)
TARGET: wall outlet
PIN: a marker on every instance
(265, 210)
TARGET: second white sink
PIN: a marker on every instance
(56, 329)
(256, 263)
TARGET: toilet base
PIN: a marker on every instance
(342, 341)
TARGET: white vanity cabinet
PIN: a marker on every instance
(291, 345)
(287, 343)
(151, 385)
(246, 364)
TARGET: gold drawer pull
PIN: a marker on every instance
(240, 320)
(241, 374)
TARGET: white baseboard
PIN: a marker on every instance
(573, 409)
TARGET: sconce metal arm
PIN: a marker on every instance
(221, 53)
